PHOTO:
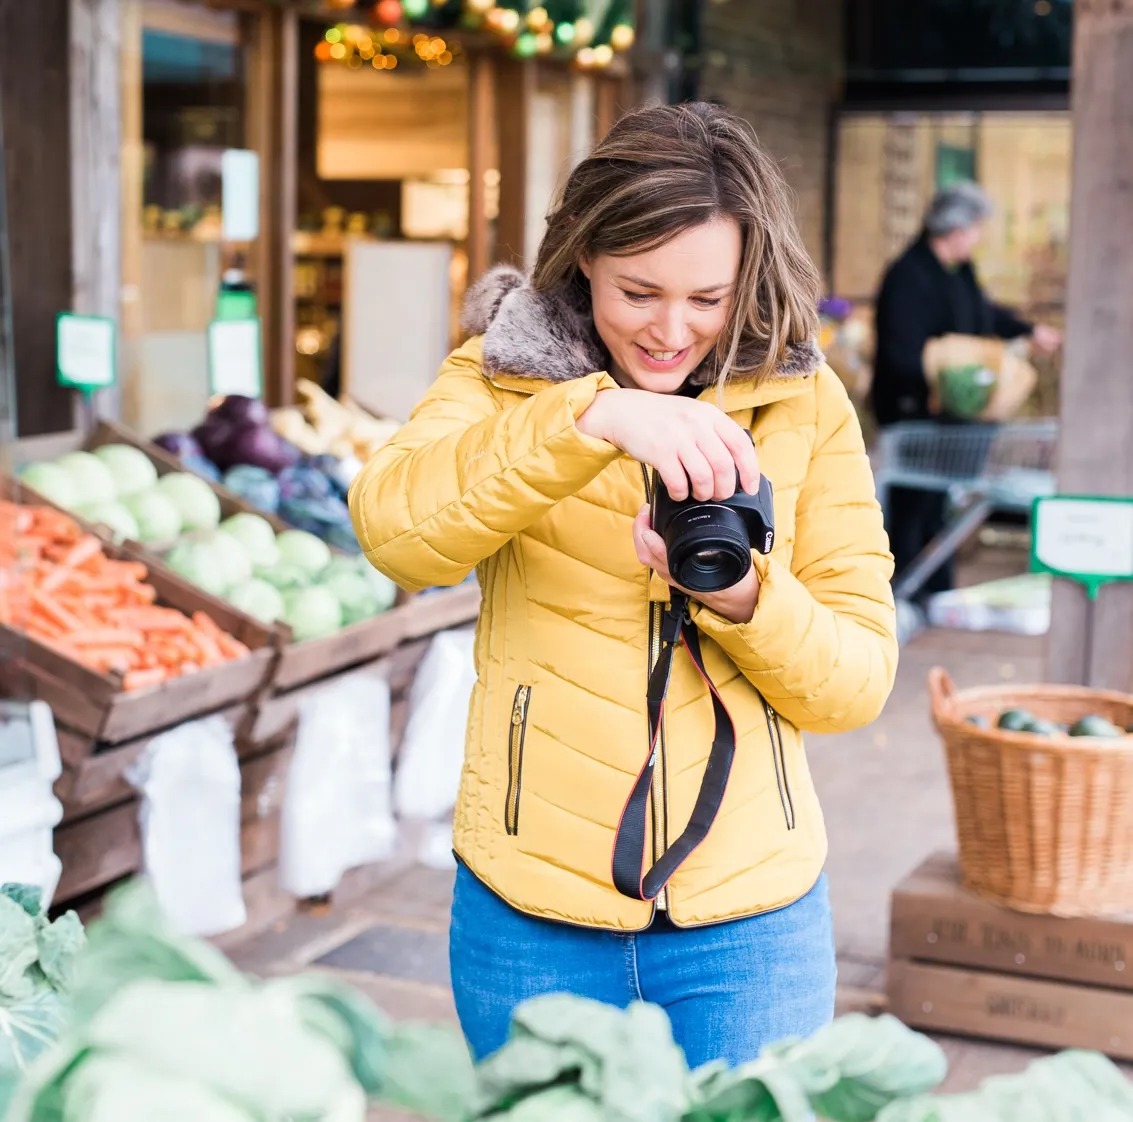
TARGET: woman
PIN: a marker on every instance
(670, 315)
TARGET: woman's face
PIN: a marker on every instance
(660, 312)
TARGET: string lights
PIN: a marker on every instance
(591, 33)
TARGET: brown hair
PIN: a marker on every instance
(663, 170)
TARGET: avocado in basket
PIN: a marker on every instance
(1094, 726)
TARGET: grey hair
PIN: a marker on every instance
(956, 208)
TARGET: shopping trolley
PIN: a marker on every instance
(981, 467)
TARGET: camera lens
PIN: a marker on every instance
(708, 548)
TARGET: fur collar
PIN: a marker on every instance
(551, 335)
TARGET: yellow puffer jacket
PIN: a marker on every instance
(491, 474)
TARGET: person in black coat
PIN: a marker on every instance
(932, 290)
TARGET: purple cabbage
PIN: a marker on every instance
(179, 444)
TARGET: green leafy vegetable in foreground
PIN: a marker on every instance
(35, 961)
(166, 1027)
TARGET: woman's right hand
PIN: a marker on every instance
(683, 439)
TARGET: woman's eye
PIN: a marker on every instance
(638, 297)
(708, 301)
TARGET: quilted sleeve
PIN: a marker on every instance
(467, 472)
(822, 644)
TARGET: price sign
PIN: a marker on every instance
(1085, 539)
(85, 351)
(235, 357)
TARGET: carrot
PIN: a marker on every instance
(232, 647)
(107, 637)
(144, 679)
(207, 624)
(83, 550)
(50, 608)
(113, 658)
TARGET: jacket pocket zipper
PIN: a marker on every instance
(516, 736)
(778, 756)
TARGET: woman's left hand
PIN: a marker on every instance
(736, 604)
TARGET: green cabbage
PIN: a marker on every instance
(313, 613)
(201, 563)
(36, 957)
(91, 477)
(115, 516)
(53, 483)
(257, 537)
(354, 595)
(258, 599)
(158, 519)
(232, 559)
(194, 499)
(130, 468)
(297, 547)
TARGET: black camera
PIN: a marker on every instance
(709, 544)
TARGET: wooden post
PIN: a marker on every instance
(96, 184)
(515, 87)
(273, 122)
(37, 168)
(1095, 453)
(481, 130)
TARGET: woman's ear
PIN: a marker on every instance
(584, 266)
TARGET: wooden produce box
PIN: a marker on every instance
(960, 964)
(300, 663)
(99, 841)
(94, 705)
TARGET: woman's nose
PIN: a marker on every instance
(670, 329)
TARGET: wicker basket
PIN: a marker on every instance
(1045, 824)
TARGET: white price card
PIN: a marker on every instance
(86, 350)
(235, 359)
(1087, 539)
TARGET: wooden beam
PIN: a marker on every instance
(1095, 452)
(515, 87)
(35, 98)
(481, 130)
(96, 182)
(273, 98)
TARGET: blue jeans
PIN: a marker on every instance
(729, 989)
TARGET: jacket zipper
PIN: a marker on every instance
(778, 756)
(659, 806)
(516, 737)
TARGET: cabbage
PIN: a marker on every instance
(297, 547)
(53, 483)
(257, 598)
(382, 587)
(114, 516)
(91, 477)
(354, 595)
(255, 485)
(158, 518)
(131, 469)
(36, 957)
(285, 577)
(255, 535)
(199, 563)
(313, 613)
(232, 558)
(194, 499)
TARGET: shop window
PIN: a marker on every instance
(188, 104)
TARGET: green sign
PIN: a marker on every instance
(85, 351)
(235, 357)
(1088, 539)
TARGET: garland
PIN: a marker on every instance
(391, 33)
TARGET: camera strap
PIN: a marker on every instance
(630, 876)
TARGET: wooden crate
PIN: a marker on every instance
(1029, 1011)
(99, 841)
(300, 663)
(95, 705)
(960, 964)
